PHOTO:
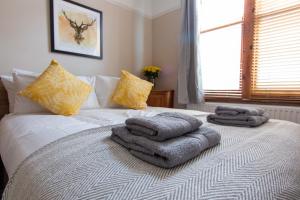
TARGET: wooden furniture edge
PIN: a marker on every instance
(163, 92)
(4, 109)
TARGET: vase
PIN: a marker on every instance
(152, 80)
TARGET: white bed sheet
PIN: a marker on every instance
(21, 135)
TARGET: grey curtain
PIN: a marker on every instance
(190, 89)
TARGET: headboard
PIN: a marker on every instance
(4, 108)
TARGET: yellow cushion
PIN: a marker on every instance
(58, 90)
(131, 91)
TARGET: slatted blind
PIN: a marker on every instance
(276, 48)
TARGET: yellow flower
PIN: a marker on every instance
(151, 68)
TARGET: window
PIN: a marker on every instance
(220, 46)
(250, 50)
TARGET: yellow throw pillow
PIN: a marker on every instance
(131, 91)
(58, 90)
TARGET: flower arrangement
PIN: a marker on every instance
(151, 72)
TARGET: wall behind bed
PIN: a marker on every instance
(25, 39)
(166, 49)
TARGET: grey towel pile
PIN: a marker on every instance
(163, 126)
(235, 116)
(165, 140)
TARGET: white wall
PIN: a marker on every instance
(25, 39)
(166, 48)
(129, 35)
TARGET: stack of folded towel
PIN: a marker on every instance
(234, 116)
(167, 139)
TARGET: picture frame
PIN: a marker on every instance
(76, 29)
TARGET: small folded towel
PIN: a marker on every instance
(242, 121)
(234, 111)
(169, 153)
(163, 126)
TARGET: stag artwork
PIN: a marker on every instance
(79, 29)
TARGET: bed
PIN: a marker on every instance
(55, 157)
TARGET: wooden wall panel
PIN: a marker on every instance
(4, 108)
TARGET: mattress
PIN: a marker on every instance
(21, 135)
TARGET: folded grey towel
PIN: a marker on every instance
(163, 126)
(169, 153)
(242, 120)
(228, 110)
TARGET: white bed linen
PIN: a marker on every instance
(21, 135)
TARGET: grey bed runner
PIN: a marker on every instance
(261, 163)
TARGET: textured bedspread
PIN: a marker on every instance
(260, 163)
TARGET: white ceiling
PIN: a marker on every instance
(149, 8)
(160, 7)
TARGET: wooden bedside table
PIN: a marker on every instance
(161, 98)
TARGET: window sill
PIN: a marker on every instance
(264, 101)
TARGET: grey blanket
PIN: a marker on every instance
(234, 111)
(242, 120)
(163, 126)
(169, 153)
(249, 164)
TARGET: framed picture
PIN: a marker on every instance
(76, 29)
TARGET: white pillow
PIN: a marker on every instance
(23, 105)
(92, 101)
(105, 86)
(25, 72)
(10, 88)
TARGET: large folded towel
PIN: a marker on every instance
(234, 111)
(243, 120)
(169, 153)
(163, 126)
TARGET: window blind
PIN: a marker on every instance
(275, 70)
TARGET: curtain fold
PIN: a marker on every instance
(190, 89)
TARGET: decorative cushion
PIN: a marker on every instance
(132, 92)
(105, 87)
(58, 90)
(23, 105)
